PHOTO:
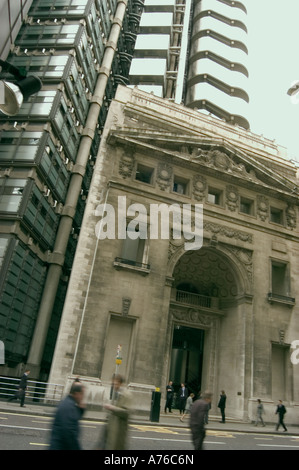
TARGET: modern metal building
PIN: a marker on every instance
(80, 50)
(195, 52)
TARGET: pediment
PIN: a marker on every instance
(215, 156)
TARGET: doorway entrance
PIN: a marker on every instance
(187, 358)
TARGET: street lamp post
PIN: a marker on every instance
(12, 94)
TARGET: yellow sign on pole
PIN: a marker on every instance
(118, 359)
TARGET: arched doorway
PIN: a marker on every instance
(205, 283)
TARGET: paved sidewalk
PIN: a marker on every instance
(166, 420)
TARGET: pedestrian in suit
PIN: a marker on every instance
(183, 395)
(169, 397)
(198, 413)
(221, 405)
(20, 394)
(65, 434)
(281, 411)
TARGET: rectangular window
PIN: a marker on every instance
(133, 249)
(180, 185)
(215, 196)
(144, 174)
(280, 278)
(11, 191)
(16, 145)
(276, 215)
(41, 216)
(246, 206)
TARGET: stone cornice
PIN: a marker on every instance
(175, 115)
(215, 158)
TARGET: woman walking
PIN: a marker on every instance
(189, 403)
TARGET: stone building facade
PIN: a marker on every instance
(222, 316)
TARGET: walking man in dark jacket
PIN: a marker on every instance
(221, 405)
(198, 413)
(281, 411)
(20, 394)
(66, 431)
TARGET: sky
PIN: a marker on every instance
(273, 35)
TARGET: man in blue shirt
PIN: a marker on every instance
(66, 430)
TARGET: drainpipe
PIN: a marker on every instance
(68, 213)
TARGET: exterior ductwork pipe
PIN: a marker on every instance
(217, 74)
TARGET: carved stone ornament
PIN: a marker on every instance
(221, 160)
(199, 187)
(263, 207)
(193, 316)
(232, 198)
(164, 176)
(291, 217)
(281, 336)
(126, 166)
(126, 305)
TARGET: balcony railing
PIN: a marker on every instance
(132, 263)
(196, 300)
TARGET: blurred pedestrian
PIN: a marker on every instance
(189, 403)
(21, 393)
(65, 433)
(281, 411)
(197, 419)
(207, 414)
(169, 396)
(115, 432)
(259, 413)
(222, 405)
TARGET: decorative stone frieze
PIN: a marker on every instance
(193, 316)
(214, 229)
(217, 229)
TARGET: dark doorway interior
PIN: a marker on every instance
(186, 358)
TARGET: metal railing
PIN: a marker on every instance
(193, 299)
(38, 392)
